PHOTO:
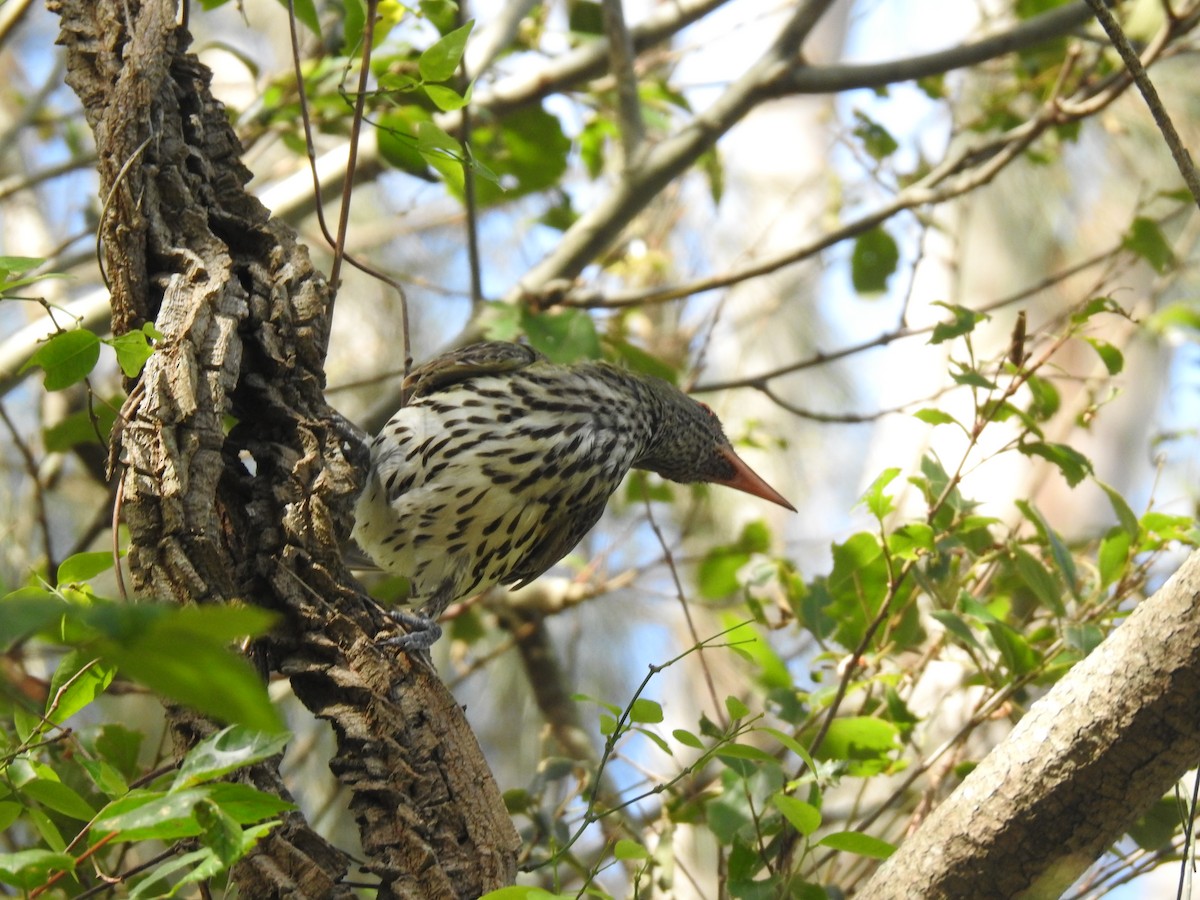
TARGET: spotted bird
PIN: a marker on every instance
(501, 461)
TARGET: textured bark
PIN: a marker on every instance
(1088, 759)
(244, 319)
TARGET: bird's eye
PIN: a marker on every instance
(707, 409)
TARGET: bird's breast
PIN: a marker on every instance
(471, 488)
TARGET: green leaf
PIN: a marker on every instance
(1125, 517)
(1073, 464)
(935, 417)
(182, 654)
(218, 831)
(167, 816)
(646, 712)
(444, 98)
(30, 869)
(306, 14)
(876, 139)
(876, 501)
(626, 849)
(1113, 557)
(804, 817)
(56, 796)
(1018, 656)
(133, 348)
(565, 336)
(858, 843)
(954, 624)
(527, 150)
(82, 567)
(1039, 580)
(229, 749)
(67, 358)
(78, 680)
(78, 428)
(866, 743)
(873, 261)
(736, 708)
(120, 746)
(1113, 359)
(912, 540)
(439, 62)
(1046, 399)
(18, 265)
(964, 322)
(9, 813)
(26, 611)
(442, 152)
(1145, 239)
(525, 892)
(687, 739)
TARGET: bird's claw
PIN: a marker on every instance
(422, 634)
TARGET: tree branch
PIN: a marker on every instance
(244, 315)
(1083, 764)
(1183, 159)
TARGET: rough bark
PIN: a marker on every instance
(1088, 759)
(244, 319)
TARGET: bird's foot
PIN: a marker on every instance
(423, 632)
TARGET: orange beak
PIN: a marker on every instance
(744, 479)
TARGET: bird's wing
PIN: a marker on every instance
(555, 543)
(489, 358)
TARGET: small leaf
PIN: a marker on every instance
(78, 680)
(439, 62)
(935, 417)
(1039, 580)
(877, 502)
(873, 261)
(565, 336)
(444, 98)
(30, 869)
(804, 817)
(956, 626)
(964, 322)
(1146, 240)
(133, 348)
(306, 14)
(687, 739)
(858, 843)
(1073, 464)
(229, 749)
(1112, 358)
(56, 796)
(736, 708)
(876, 139)
(1125, 517)
(82, 567)
(626, 849)
(1113, 557)
(646, 712)
(67, 358)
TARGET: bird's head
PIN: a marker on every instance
(691, 446)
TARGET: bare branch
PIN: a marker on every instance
(1183, 159)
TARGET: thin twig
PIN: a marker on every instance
(620, 60)
(1183, 159)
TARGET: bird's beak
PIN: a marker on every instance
(745, 479)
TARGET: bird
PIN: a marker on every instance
(500, 461)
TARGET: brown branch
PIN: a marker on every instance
(244, 315)
(1183, 159)
(1029, 820)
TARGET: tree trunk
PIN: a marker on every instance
(1085, 762)
(255, 514)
